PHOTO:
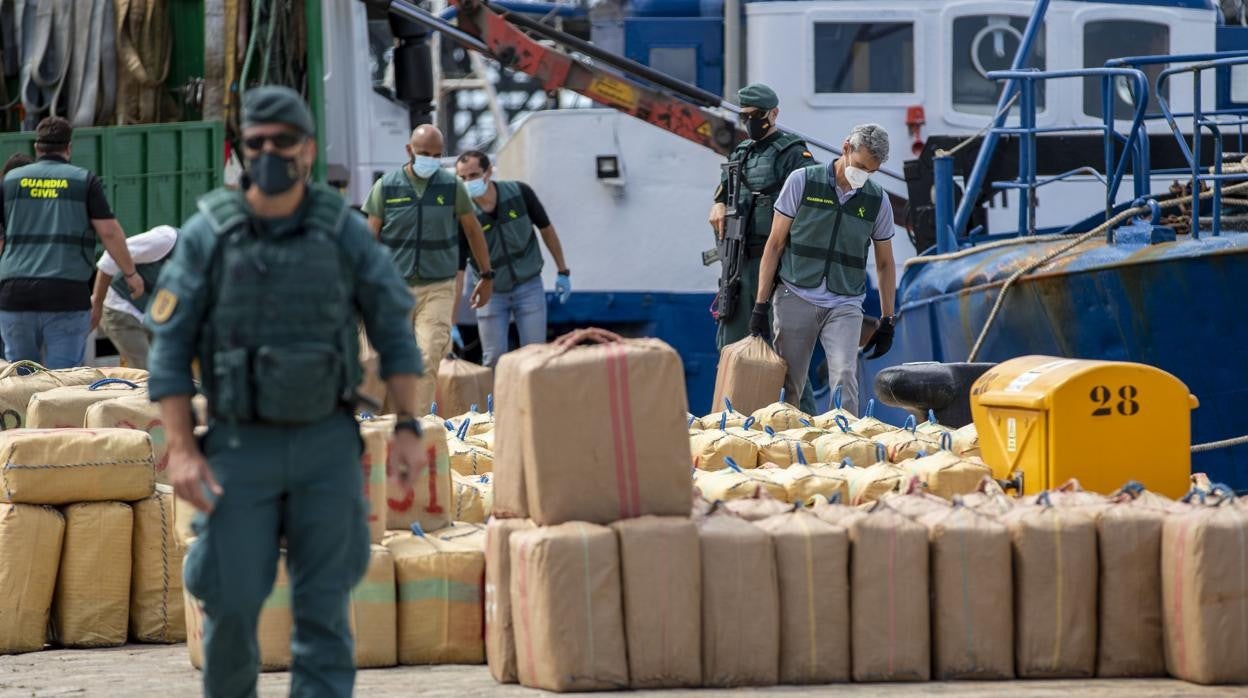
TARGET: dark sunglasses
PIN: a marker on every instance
(281, 141)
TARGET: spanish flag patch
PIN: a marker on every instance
(163, 306)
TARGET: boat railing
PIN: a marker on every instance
(1022, 82)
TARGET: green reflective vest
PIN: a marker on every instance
(514, 253)
(828, 241)
(149, 272)
(421, 231)
(762, 175)
(48, 233)
(281, 330)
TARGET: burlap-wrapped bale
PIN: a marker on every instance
(604, 419)
(934, 428)
(966, 441)
(468, 535)
(661, 575)
(972, 595)
(468, 458)
(30, 553)
(870, 483)
(440, 600)
(16, 389)
(500, 639)
(750, 373)
(63, 466)
(736, 483)
(156, 613)
(427, 499)
(474, 497)
(91, 607)
(510, 391)
(740, 603)
(907, 442)
(134, 411)
(710, 448)
(830, 419)
(889, 604)
(783, 451)
(566, 607)
(843, 443)
(374, 623)
(915, 502)
(803, 482)
(1055, 589)
(1130, 637)
(812, 563)
(727, 418)
(462, 384)
(757, 508)
(66, 407)
(868, 425)
(126, 373)
(947, 474)
(780, 416)
(804, 433)
(1205, 593)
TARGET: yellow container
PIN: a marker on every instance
(1047, 420)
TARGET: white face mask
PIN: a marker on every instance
(476, 187)
(424, 166)
(857, 176)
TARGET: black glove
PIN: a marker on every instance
(881, 341)
(760, 323)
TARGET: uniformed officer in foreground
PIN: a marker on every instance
(828, 218)
(765, 160)
(265, 288)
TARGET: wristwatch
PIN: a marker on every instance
(565, 272)
(487, 275)
(410, 424)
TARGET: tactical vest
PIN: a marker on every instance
(48, 233)
(281, 343)
(421, 231)
(828, 241)
(761, 175)
(149, 272)
(514, 254)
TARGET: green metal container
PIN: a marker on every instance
(152, 174)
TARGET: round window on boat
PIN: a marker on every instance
(1115, 38)
(983, 43)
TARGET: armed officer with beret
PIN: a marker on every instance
(265, 288)
(756, 171)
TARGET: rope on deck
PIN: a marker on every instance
(1224, 443)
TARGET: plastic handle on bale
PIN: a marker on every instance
(462, 432)
(1133, 488)
(450, 426)
(801, 457)
(946, 441)
(770, 431)
(727, 404)
(732, 463)
(723, 420)
(835, 498)
(366, 415)
(489, 404)
(870, 408)
(1187, 498)
(931, 416)
(1044, 500)
(806, 423)
(881, 454)
(921, 454)
(689, 424)
(112, 381)
(417, 530)
(1223, 492)
(472, 407)
(782, 395)
(433, 408)
(847, 462)
(749, 422)
(911, 424)
(836, 396)
(842, 423)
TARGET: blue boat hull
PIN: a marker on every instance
(1172, 305)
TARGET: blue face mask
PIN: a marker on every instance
(424, 166)
(476, 187)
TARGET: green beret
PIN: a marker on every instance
(758, 95)
(277, 104)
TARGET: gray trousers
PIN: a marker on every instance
(797, 325)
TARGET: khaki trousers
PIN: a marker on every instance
(431, 322)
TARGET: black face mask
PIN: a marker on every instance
(273, 173)
(756, 125)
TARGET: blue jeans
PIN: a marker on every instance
(55, 340)
(527, 303)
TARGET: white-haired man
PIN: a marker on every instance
(828, 217)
